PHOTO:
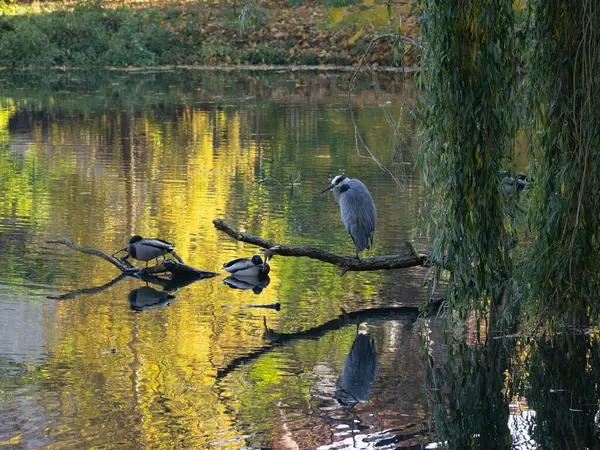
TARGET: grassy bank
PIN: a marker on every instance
(100, 34)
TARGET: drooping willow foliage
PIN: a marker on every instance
(469, 123)
(468, 118)
(563, 264)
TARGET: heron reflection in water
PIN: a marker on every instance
(359, 373)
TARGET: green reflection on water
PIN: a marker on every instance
(98, 158)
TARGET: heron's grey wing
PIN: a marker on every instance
(358, 213)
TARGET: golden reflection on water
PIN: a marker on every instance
(104, 170)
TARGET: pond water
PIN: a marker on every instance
(90, 360)
(98, 158)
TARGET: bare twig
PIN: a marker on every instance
(372, 43)
(400, 138)
(346, 263)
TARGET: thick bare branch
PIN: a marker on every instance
(347, 263)
(91, 251)
(178, 269)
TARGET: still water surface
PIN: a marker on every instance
(100, 157)
(89, 360)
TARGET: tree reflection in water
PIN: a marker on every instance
(540, 393)
(562, 374)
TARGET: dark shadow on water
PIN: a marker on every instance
(352, 318)
(146, 297)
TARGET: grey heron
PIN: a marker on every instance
(357, 208)
(247, 267)
(148, 249)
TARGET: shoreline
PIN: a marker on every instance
(220, 68)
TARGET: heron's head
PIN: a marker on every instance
(135, 239)
(337, 181)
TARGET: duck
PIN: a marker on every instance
(143, 249)
(247, 267)
(510, 186)
(522, 183)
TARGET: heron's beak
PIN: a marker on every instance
(331, 186)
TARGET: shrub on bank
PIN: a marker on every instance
(86, 36)
(93, 34)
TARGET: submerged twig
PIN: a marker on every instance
(346, 263)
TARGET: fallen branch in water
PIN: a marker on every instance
(346, 263)
(176, 268)
(343, 320)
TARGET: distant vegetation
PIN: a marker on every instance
(100, 34)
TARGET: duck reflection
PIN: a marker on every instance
(145, 298)
(255, 284)
(359, 373)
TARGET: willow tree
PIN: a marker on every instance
(468, 121)
(563, 266)
(469, 75)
